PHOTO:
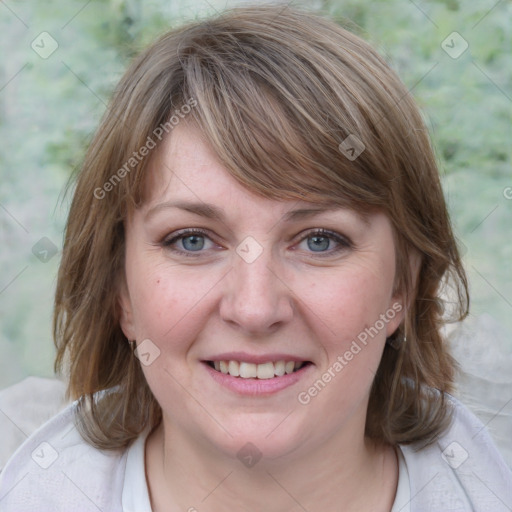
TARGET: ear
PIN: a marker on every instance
(125, 309)
(401, 301)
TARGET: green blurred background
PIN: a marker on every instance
(51, 104)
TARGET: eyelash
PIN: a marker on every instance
(343, 242)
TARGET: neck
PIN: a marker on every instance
(185, 475)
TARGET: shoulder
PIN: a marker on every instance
(462, 471)
(56, 470)
(24, 407)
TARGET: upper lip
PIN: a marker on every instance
(255, 358)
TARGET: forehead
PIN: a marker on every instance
(185, 164)
(186, 169)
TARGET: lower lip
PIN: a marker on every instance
(257, 387)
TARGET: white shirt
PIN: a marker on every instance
(56, 470)
(135, 493)
(402, 501)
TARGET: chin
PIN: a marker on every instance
(261, 437)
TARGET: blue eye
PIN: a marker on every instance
(187, 242)
(322, 242)
(318, 243)
(193, 242)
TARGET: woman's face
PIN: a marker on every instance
(226, 292)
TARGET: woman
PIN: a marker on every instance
(250, 297)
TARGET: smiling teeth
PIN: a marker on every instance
(260, 371)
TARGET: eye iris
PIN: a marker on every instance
(193, 242)
(318, 243)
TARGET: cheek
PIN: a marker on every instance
(342, 323)
(352, 331)
(170, 310)
(153, 302)
(351, 299)
(169, 304)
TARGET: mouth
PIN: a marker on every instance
(262, 371)
(249, 374)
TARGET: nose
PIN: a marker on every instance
(256, 300)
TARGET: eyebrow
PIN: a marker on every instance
(212, 212)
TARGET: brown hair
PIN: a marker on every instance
(275, 92)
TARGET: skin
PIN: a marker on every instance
(291, 299)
